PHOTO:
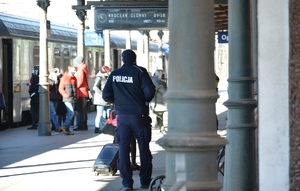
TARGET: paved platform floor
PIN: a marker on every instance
(60, 162)
(63, 163)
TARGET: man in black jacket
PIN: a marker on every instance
(34, 97)
(130, 88)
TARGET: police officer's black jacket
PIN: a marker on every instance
(34, 89)
(130, 88)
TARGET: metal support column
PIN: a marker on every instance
(140, 49)
(160, 34)
(254, 40)
(146, 48)
(192, 142)
(44, 127)
(81, 14)
(128, 40)
(240, 152)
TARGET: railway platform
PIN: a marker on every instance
(60, 163)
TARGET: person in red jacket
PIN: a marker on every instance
(68, 90)
(82, 76)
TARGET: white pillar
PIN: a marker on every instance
(160, 33)
(140, 49)
(107, 48)
(146, 48)
(273, 86)
(128, 40)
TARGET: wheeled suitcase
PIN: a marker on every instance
(106, 162)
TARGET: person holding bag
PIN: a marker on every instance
(101, 105)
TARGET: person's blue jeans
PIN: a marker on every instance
(70, 113)
(53, 115)
(100, 109)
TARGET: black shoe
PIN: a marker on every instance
(127, 188)
(145, 186)
(81, 128)
(135, 167)
(32, 128)
(97, 130)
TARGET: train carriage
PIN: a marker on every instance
(19, 52)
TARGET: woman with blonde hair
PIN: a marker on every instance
(101, 105)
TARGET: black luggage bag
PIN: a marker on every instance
(106, 162)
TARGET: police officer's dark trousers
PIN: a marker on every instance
(140, 126)
(34, 109)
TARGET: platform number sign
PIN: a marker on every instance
(222, 37)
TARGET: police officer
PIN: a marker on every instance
(34, 97)
(130, 88)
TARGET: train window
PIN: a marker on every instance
(36, 55)
(66, 63)
(36, 51)
(74, 53)
(56, 52)
(66, 53)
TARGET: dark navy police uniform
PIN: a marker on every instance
(130, 88)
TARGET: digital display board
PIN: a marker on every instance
(122, 18)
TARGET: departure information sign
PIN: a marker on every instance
(130, 18)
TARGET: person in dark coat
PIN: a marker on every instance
(55, 97)
(158, 105)
(34, 97)
(130, 88)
